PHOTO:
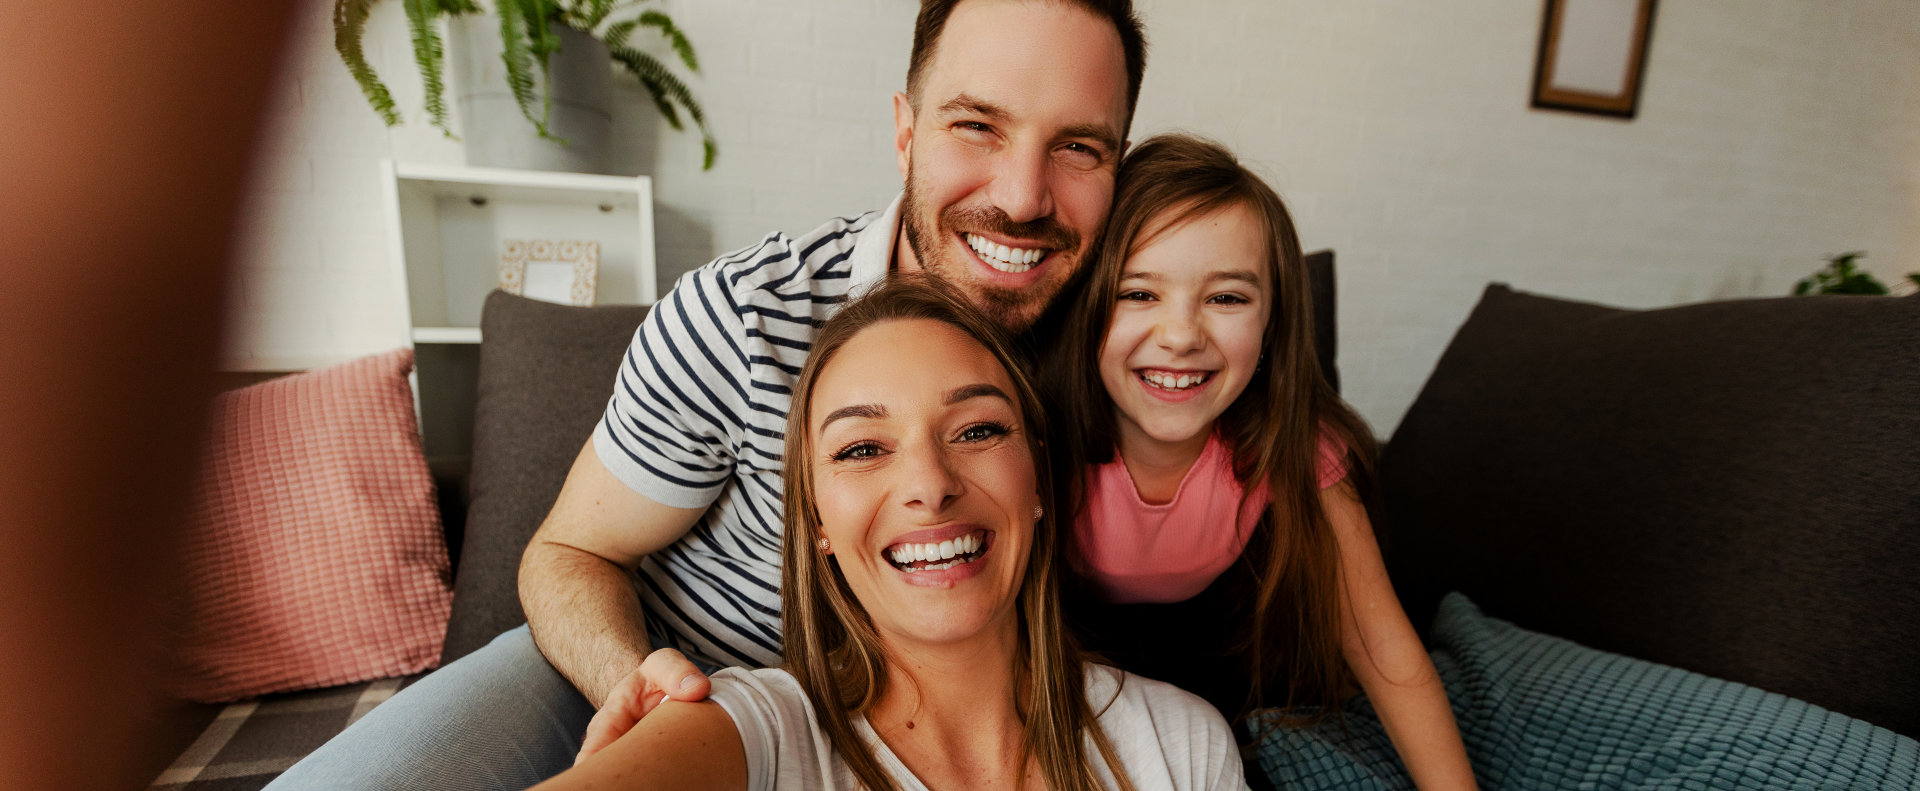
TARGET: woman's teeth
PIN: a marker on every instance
(942, 555)
(1012, 260)
(1166, 381)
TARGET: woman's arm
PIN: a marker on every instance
(1386, 656)
(678, 745)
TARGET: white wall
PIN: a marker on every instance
(1770, 133)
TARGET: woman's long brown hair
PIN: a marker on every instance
(829, 640)
(1293, 637)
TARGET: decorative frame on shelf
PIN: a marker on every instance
(560, 271)
(1593, 56)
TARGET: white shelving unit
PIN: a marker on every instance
(447, 224)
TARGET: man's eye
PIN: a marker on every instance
(975, 127)
(980, 432)
(858, 450)
(1081, 155)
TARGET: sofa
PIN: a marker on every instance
(1711, 488)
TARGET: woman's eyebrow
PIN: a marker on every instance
(869, 411)
(981, 390)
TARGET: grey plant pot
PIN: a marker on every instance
(491, 125)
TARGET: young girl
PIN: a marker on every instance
(1219, 538)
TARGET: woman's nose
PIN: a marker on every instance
(928, 479)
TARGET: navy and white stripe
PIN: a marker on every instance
(698, 420)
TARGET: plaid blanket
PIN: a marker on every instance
(251, 742)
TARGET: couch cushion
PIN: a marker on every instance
(1728, 487)
(1537, 711)
(315, 555)
(546, 373)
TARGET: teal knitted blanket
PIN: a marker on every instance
(1540, 712)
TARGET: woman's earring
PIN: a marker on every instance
(1038, 512)
(826, 547)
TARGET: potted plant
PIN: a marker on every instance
(531, 34)
(1841, 276)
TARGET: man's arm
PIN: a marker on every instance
(576, 582)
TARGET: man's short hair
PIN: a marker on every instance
(1133, 41)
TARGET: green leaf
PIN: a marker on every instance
(1915, 277)
(517, 53)
(678, 40)
(349, 27)
(430, 55)
(663, 83)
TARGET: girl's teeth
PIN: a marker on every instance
(1173, 381)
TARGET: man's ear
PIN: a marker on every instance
(903, 132)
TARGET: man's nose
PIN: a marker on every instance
(928, 479)
(1020, 185)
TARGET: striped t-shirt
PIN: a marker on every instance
(698, 420)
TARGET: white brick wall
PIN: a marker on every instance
(1771, 133)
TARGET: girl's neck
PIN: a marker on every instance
(950, 712)
(1157, 467)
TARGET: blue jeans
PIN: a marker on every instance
(500, 717)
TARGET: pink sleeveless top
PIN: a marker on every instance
(1134, 551)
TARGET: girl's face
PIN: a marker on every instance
(923, 480)
(1187, 326)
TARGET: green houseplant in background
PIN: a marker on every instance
(1842, 276)
(529, 39)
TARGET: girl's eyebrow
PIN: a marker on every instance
(1240, 275)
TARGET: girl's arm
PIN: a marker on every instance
(1385, 653)
(677, 745)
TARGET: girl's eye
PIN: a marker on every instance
(1135, 295)
(858, 450)
(980, 432)
(1228, 299)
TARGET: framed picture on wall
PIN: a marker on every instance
(1593, 56)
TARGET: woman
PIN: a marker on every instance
(922, 629)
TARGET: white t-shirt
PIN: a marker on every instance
(1166, 738)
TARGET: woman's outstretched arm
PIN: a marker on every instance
(678, 745)
(1385, 653)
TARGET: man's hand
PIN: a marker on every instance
(664, 674)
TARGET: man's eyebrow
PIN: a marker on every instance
(868, 411)
(965, 103)
(982, 390)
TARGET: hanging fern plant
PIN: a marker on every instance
(528, 41)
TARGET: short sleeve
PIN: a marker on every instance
(1333, 459)
(670, 429)
(1166, 737)
(762, 709)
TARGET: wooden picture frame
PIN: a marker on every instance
(1593, 56)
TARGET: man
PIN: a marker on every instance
(1009, 136)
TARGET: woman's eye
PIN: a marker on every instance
(858, 450)
(980, 432)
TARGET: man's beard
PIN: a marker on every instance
(1013, 308)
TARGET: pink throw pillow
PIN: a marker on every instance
(315, 556)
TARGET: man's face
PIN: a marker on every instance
(1010, 158)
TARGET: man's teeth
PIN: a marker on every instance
(1013, 260)
(943, 555)
(1167, 381)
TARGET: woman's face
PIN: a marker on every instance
(1187, 326)
(923, 479)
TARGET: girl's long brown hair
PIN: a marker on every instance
(1293, 637)
(829, 640)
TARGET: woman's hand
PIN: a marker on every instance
(664, 674)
